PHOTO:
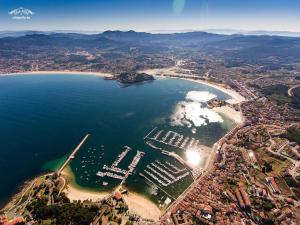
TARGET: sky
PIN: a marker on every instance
(153, 15)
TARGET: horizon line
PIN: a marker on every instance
(220, 31)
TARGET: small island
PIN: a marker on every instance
(132, 77)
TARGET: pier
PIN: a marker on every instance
(170, 196)
(159, 174)
(72, 156)
(115, 172)
(152, 145)
(173, 169)
(150, 133)
(121, 156)
(135, 161)
(163, 171)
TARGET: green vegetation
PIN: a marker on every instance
(283, 186)
(294, 184)
(224, 199)
(278, 94)
(297, 192)
(293, 134)
(133, 77)
(263, 204)
(273, 165)
(70, 213)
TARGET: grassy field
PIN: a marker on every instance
(278, 167)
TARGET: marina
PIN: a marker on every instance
(164, 176)
(115, 172)
(173, 169)
(172, 139)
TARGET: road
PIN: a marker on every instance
(296, 163)
(290, 91)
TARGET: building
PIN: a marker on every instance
(273, 185)
(181, 219)
(3, 219)
(15, 221)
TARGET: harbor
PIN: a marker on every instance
(116, 172)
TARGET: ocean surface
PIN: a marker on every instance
(44, 117)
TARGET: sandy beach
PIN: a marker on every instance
(142, 206)
(137, 204)
(235, 96)
(231, 113)
(182, 74)
(74, 193)
(175, 71)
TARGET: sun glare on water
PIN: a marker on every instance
(193, 157)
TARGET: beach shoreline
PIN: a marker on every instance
(235, 96)
(140, 205)
(230, 113)
(137, 203)
(76, 193)
(179, 73)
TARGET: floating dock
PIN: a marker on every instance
(114, 171)
(163, 176)
(171, 138)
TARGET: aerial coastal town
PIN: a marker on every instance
(253, 176)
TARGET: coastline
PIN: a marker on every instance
(100, 74)
(179, 73)
(140, 205)
(231, 113)
(235, 96)
(76, 193)
(137, 203)
(22, 190)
